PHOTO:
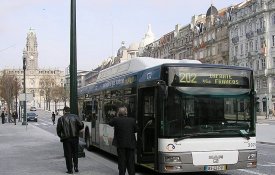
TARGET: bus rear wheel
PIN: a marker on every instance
(88, 141)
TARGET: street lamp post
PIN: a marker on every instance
(73, 61)
(44, 104)
(267, 108)
(24, 91)
(266, 105)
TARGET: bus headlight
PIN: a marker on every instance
(252, 156)
(251, 164)
(172, 159)
(173, 168)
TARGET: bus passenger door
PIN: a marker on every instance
(146, 121)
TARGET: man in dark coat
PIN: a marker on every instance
(14, 116)
(3, 117)
(68, 127)
(125, 140)
(53, 118)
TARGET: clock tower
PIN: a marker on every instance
(30, 51)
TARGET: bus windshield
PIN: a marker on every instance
(207, 114)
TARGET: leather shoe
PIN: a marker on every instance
(76, 170)
(69, 172)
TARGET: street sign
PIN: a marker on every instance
(29, 97)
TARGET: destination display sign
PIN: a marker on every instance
(209, 77)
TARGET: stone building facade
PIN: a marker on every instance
(240, 35)
(204, 39)
(252, 44)
(210, 36)
(34, 74)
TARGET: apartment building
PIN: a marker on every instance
(252, 44)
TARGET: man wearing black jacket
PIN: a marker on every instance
(68, 127)
(125, 140)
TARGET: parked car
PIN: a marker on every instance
(31, 116)
(33, 108)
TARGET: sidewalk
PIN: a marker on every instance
(35, 151)
(263, 118)
(265, 130)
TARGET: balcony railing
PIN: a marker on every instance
(271, 71)
(235, 39)
(249, 35)
(234, 59)
(259, 72)
(211, 41)
(260, 31)
(224, 53)
(251, 54)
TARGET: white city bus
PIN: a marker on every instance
(191, 116)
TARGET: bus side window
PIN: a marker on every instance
(95, 108)
(130, 103)
(109, 112)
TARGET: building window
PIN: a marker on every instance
(273, 62)
(213, 50)
(180, 56)
(256, 45)
(213, 35)
(273, 40)
(201, 54)
(273, 19)
(264, 84)
(263, 64)
(219, 48)
(261, 22)
(236, 51)
(251, 65)
(241, 49)
(261, 3)
(251, 46)
(258, 84)
(262, 43)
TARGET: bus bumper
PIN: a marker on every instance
(183, 162)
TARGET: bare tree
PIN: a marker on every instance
(9, 88)
(57, 95)
(47, 82)
(66, 95)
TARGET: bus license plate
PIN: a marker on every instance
(215, 168)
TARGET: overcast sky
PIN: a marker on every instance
(101, 26)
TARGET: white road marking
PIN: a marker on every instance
(262, 124)
(270, 164)
(252, 172)
(46, 121)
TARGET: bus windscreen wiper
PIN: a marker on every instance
(242, 133)
(189, 136)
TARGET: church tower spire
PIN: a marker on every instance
(30, 51)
